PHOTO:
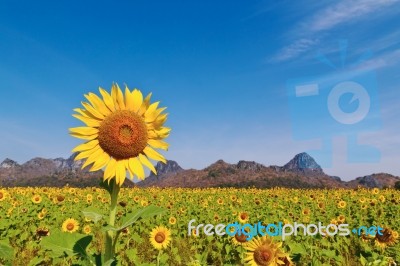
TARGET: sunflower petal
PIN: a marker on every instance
(120, 172)
(145, 104)
(158, 144)
(85, 137)
(108, 100)
(136, 168)
(88, 121)
(137, 100)
(152, 154)
(86, 154)
(129, 101)
(143, 159)
(118, 97)
(92, 110)
(86, 146)
(100, 162)
(98, 103)
(110, 170)
(93, 157)
(84, 130)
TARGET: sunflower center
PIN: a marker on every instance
(241, 238)
(263, 256)
(1, 195)
(160, 237)
(123, 135)
(70, 226)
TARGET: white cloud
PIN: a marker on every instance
(295, 49)
(344, 12)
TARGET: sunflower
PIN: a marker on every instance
(387, 238)
(342, 204)
(160, 237)
(3, 194)
(87, 230)
(70, 225)
(172, 220)
(239, 239)
(243, 217)
(122, 132)
(36, 199)
(264, 252)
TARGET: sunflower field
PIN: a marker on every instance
(37, 225)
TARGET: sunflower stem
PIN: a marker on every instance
(158, 257)
(109, 247)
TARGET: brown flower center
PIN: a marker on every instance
(70, 226)
(263, 256)
(160, 237)
(123, 135)
(241, 238)
(243, 216)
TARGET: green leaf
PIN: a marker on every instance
(6, 251)
(35, 261)
(109, 262)
(66, 243)
(92, 214)
(149, 211)
(363, 261)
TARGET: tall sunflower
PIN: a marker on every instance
(264, 252)
(122, 132)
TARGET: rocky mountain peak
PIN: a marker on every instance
(303, 162)
(170, 167)
(249, 165)
(8, 163)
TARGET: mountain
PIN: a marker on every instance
(163, 170)
(380, 180)
(47, 172)
(301, 172)
(303, 163)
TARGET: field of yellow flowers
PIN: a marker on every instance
(30, 216)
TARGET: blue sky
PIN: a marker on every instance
(221, 69)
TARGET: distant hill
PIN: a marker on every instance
(300, 172)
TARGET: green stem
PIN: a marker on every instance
(158, 257)
(110, 248)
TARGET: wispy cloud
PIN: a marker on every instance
(329, 18)
(295, 49)
(345, 12)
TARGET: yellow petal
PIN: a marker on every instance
(150, 117)
(92, 110)
(129, 103)
(88, 121)
(87, 153)
(118, 97)
(120, 172)
(93, 157)
(85, 137)
(136, 168)
(158, 144)
(98, 103)
(143, 159)
(111, 168)
(145, 104)
(108, 100)
(84, 130)
(137, 100)
(86, 146)
(152, 154)
(100, 162)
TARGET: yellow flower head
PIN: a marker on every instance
(122, 132)
(160, 237)
(263, 251)
(3, 194)
(70, 225)
(36, 199)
